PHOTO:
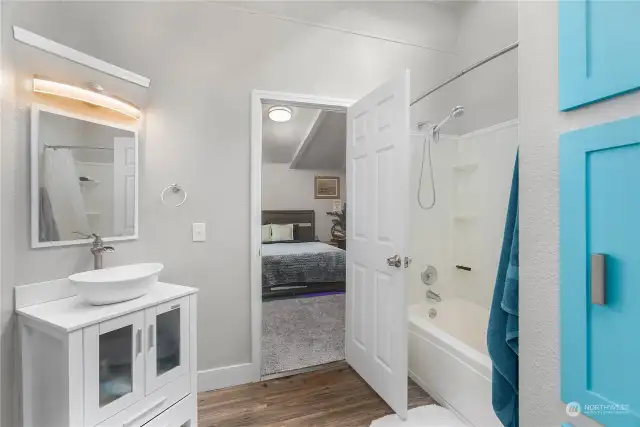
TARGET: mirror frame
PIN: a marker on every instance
(35, 177)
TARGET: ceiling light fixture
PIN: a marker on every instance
(94, 97)
(280, 114)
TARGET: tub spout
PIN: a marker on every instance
(433, 296)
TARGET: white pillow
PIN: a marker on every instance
(281, 232)
(266, 233)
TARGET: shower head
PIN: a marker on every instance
(455, 113)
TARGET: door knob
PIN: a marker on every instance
(394, 261)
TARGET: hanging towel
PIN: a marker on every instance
(502, 333)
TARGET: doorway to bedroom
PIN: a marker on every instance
(303, 237)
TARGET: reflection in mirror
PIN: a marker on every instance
(86, 179)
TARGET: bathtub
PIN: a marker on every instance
(448, 358)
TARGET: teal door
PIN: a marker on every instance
(600, 271)
(598, 50)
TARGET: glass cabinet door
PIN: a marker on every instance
(167, 342)
(113, 366)
(116, 364)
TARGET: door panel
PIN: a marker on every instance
(114, 366)
(597, 43)
(377, 171)
(167, 346)
(599, 211)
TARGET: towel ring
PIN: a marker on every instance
(175, 188)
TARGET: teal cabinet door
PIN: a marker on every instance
(598, 50)
(600, 271)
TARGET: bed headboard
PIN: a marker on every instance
(304, 219)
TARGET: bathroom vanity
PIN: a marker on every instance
(127, 364)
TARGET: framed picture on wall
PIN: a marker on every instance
(327, 187)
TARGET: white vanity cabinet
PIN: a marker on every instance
(127, 364)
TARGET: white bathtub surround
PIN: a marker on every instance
(448, 354)
(448, 358)
(473, 177)
(423, 416)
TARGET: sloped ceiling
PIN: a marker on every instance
(280, 140)
(324, 148)
(327, 148)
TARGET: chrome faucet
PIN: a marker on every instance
(97, 249)
(433, 296)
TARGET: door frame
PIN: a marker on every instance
(259, 97)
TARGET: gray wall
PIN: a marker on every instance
(284, 188)
(540, 125)
(204, 59)
(489, 93)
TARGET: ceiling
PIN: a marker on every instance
(328, 148)
(322, 135)
(280, 140)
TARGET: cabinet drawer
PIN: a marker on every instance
(152, 405)
(182, 414)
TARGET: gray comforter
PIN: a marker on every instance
(299, 263)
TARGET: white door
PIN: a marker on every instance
(113, 366)
(124, 186)
(167, 346)
(378, 205)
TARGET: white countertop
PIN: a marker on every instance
(70, 314)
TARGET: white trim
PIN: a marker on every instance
(227, 376)
(474, 133)
(35, 177)
(306, 141)
(258, 97)
(43, 43)
(494, 128)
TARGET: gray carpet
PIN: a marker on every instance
(302, 332)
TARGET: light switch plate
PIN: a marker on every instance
(199, 232)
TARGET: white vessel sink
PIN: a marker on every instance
(117, 284)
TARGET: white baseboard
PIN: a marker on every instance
(226, 376)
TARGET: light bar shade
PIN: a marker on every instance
(85, 95)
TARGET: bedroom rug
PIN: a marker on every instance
(302, 332)
(422, 416)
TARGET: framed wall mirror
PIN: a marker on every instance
(84, 179)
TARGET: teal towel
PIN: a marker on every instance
(502, 332)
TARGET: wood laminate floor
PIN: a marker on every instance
(334, 396)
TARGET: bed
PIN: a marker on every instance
(302, 265)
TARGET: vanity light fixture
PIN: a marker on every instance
(279, 113)
(93, 96)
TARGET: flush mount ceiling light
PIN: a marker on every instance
(280, 114)
(94, 96)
